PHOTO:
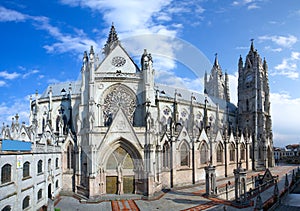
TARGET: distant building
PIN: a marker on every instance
(31, 169)
(120, 133)
(288, 151)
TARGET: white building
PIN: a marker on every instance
(31, 171)
(121, 133)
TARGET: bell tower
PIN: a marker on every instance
(254, 107)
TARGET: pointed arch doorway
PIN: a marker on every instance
(121, 174)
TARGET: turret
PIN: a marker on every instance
(148, 73)
(216, 86)
(240, 64)
(92, 64)
(84, 77)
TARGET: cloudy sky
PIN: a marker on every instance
(43, 43)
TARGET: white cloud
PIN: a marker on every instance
(199, 9)
(121, 12)
(295, 55)
(285, 118)
(7, 15)
(32, 72)
(9, 76)
(77, 43)
(2, 83)
(18, 106)
(171, 79)
(242, 47)
(253, 6)
(283, 41)
(288, 66)
(269, 48)
(146, 20)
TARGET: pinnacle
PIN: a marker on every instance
(112, 37)
(216, 63)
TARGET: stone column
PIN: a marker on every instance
(210, 180)
(240, 176)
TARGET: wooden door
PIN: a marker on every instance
(128, 184)
(111, 185)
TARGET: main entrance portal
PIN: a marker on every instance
(120, 176)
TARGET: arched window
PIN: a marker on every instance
(231, 152)
(57, 123)
(6, 173)
(6, 208)
(184, 154)
(49, 164)
(26, 169)
(26, 202)
(166, 155)
(70, 156)
(40, 167)
(242, 152)
(203, 153)
(251, 153)
(40, 194)
(219, 153)
(56, 184)
(56, 163)
(43, 125)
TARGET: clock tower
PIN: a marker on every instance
(254, 113)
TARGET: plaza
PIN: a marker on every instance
(190, 198)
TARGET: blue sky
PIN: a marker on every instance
(43, 43)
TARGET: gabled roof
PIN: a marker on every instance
(57, 88)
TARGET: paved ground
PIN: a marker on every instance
(184, 199)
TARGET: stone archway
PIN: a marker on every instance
(122, 170)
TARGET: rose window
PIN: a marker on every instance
(119, 98)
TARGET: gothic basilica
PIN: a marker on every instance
(121, 133)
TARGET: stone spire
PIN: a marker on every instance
(216, 63)
(252, 46)
(112, 40)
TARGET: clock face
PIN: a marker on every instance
(118, 61)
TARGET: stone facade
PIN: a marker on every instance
(121, 133)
